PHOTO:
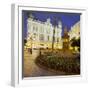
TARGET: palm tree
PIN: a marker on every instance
(53, 39)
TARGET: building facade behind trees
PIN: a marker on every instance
(75, 31)
(40, 34)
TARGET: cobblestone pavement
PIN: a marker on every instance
(31, 69)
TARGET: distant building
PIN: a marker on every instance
(40, 34)
(75, 31)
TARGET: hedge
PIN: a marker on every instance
(69, 65)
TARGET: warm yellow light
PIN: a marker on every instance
(71, 48)
(76, 48)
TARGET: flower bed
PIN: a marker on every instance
(68, 65)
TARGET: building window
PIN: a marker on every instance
(48, 31)
(41, 30)
(35, 28)
(41, 37)
(48, 38)
(34, 35)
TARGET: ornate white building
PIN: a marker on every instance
(75, 31)
(40, 34)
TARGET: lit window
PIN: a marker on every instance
(41, 30)
(41, 37)
(35, 28)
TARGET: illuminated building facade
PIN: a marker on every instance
(75, 31)
(40, 34)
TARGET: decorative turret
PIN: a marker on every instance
(31, 16)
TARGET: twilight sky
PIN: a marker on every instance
(67, 19)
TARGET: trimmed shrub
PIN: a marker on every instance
(68, 65)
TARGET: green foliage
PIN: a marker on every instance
(75, 42)
(69, 65)
(25, 41)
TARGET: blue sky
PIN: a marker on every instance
(68, 19)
